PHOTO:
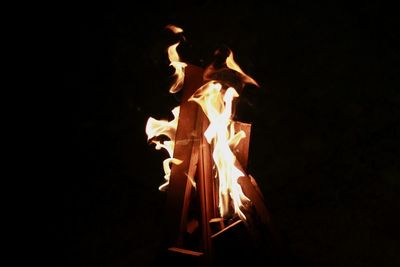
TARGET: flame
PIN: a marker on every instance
(230, 62)
(176, 62)
(174, 29)
(216, 102)
(156, 128)
(217, 105)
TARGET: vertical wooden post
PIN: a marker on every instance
(179, 185)
(205, 187)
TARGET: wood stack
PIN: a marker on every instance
(192, 210)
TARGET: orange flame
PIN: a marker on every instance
(230, 62)
(174, 29)
(156, 128)
(176, 62)
(217, 105)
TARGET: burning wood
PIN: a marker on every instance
(207, 182)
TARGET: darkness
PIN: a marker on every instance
(325, 137)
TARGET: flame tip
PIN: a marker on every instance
(174, 29)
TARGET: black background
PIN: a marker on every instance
(324, 144)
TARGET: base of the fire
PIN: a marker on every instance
(233, 241)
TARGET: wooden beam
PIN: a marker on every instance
(251, 190)
(249, 185)
(185, 251)
(226, 228)
(205, 187)
(179, 188)
(253, 194)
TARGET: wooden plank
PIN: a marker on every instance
(205, 187)
(247, 182)
(185, 251)
(213, 220)
(179, 185)
(252, 193)
(220, 221)
(226, 228)
(249, 185)
(254, 183)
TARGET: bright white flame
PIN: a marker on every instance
(155, 128)
(217, 105)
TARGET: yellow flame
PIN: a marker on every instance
(230, 62)
(155, 128)
(217, 105)
(176, 62)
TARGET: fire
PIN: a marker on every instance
(156, 128)
(217, 105)
(230, 62)
(176, 62)
(216, 100)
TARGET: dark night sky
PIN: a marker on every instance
(325, 136)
